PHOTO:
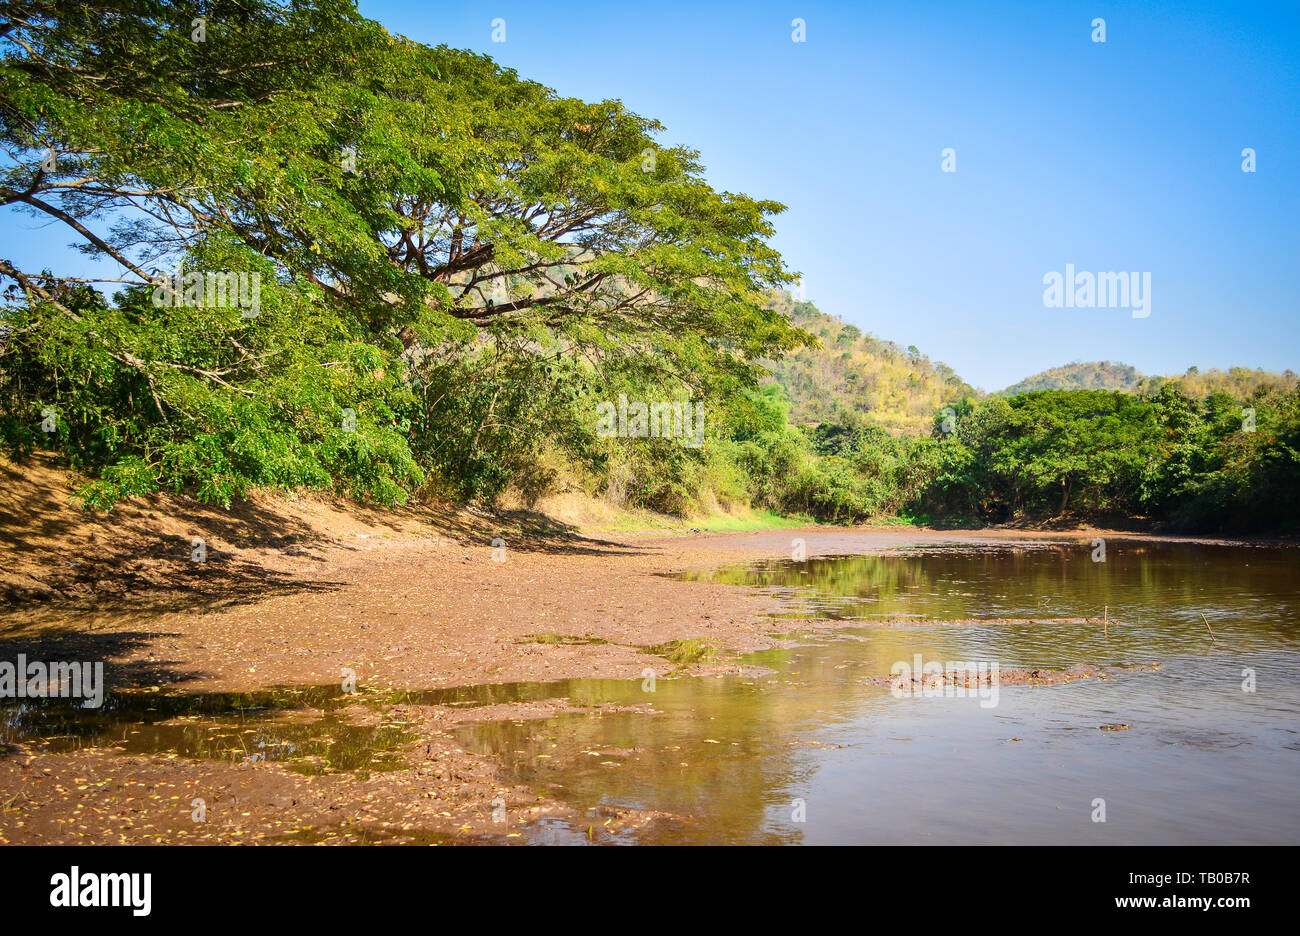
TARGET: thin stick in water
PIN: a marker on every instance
(1208, 627)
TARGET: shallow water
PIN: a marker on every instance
(808, 747)
(744, 759)
(299, 727)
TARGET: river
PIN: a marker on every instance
(816, 751)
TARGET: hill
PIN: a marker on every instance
(1238, 382)
(897, 389)
(1089, 375)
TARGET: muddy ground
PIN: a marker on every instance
(306, 592)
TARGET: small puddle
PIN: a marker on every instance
(302, 727)
(299, 727)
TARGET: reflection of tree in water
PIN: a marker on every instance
(1049, 580)
(732, 753)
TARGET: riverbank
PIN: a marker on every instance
(310, 594)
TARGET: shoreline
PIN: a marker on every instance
(410, 612)
(404, 605)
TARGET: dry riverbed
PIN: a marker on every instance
(318, 594)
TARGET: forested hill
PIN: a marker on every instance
(1089, 375)
(1237, 382)
(895, 388)
(1240, 383)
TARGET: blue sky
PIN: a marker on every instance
(1122, 156)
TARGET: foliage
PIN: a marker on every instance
(463, 261)
(1101, 455)
(1239, 382)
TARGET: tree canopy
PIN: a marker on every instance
(410, 213)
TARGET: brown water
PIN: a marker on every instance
(816, 751)
(299, 727)
(1202, 761)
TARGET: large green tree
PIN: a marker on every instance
(413, 213)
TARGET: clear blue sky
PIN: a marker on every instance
(1123, 156)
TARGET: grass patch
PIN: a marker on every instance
(560, 639)
(683, 652)
(750, 520)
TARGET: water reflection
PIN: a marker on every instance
(300, 727)
(734, 758)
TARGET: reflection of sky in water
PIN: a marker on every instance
(1202, 761)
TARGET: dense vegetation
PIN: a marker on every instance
(456, 268)
(1106, 455)
(454, 263)
(1240, 383)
